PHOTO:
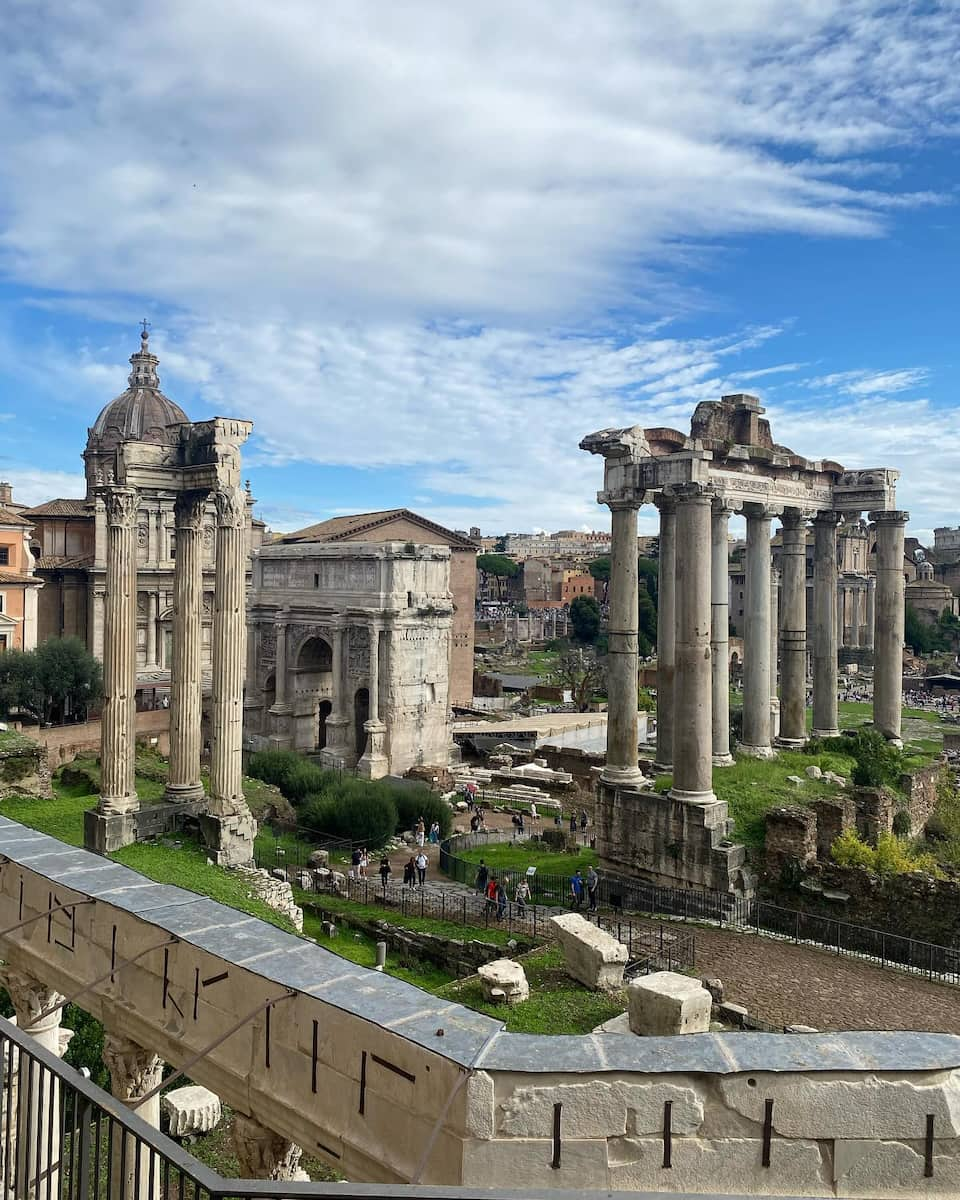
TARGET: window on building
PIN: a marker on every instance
(4, 556)
(316, 579)
(3, 642)
(3, 602)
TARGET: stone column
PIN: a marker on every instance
(756, 648)
(33, 1134)
(229, 829)
(871, 611)
(825, 625)
(118, 796)
(281, 704)
(855, 614)
(337, 751)
(186, 700)
(151, 629)
(263, 1154)
(622, 661)
(774, 629)
(666, 629)
(888, 632)
(134, 1072)
(720, 633)
(373, 763)
(841, 614)
(793, 630)
(693, 728)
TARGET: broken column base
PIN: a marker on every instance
(667, 841)
(105, 832)
(229, 838)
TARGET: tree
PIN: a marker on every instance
(57, 681)
(921, 638)
(585, 619)
(649, 569)
(647, 627)
(500, 545)
(499, 567)
(600, 570)
(580, 670)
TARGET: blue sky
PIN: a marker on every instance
(426, 247)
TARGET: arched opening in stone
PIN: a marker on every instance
(361, 714)
(270, 691)
(313, 673)
(326, 708)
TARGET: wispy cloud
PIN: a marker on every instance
(869, 383)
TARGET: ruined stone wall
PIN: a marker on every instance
(791, 838)
(580, 764)
(65, 742)
(24, 769)
(920, 786)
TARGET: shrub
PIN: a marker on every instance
(901, 823)
(412, 803)
(849, 851)
(272, 766)
(352, 809)
(892, 856)
(304, 780)
(936, 829)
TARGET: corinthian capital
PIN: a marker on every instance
(231, 507)
(134, 1070)
(188, 511)
(121, 505)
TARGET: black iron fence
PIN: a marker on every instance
(886, 949)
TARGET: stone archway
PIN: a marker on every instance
(326, 708)
(361, 714)
(270, 691)
(313, 669)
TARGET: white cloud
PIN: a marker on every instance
(32, 486)
(870, 383)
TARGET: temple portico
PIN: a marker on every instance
(729, 463)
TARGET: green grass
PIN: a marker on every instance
(434, 925)
(359, 948)
(61, 817)
(515, 857)
(557, 1004)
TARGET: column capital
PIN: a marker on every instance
(134, 1070)
(893, 516)
(231, 507)
(694, 493)
(827, 517)
(35, 1002)
(755, 510)
(793, 518)
(620, 503)
(263, 1154)
(725, 506)
(188, 509)
(122, 506)
(666, 502)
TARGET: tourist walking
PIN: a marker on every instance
(435, 833)
(491, 894)
(576, 889)
(420, 862)
(522, 895)
(501, 901)
(533, 812)
(520, 828)
(593, 888)
(364, 862)
(409, 873)
(384, 871)
(583, 820)
(355, 863)
(421, 831)
(480, 883)
(573, 824)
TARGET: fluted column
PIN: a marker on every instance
(622, 658)
(263, 1154)
(151, 657)
(825, 625)
(720, 632)
(793, 629)
(855, 614)
(756, 649)
(32, 1128)
(666, 629)
(888, 632)
(134, 1073)
(841, 614)
(186, 700)
(774, 630)
(337, 752)
(233, 829)
(281, 702)
(118, 723)
(373, 763)
(871, 611)
(693, 727)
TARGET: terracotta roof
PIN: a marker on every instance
(61, 508)
(351, 528)
(9, 517)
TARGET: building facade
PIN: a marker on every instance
(349, 653)
(19, 585)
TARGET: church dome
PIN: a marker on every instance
(142, 413)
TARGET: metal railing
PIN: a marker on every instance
(882, 947)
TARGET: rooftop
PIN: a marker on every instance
(350, 528)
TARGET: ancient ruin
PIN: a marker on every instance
(729, 463)
(145, 446)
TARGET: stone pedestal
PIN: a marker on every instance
(665, 1004)
(720, 633)
(118, 723)
(373, 763)
(793, 631)
(825, 625)
(693, 731)
(263, 1154)
(622, 659)
(503, 981)
(666, 630)
(228, 826)
(888, 633)
(756, 650)
(183, 777)
(134, 1072)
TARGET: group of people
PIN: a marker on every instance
(421, 835)
(496, 893)
(584, 888)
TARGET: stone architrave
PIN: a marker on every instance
(263, 1154)
(118, 796)
(592, 956)
(665, 1004)
(134, 1072)
(693, 728)
(183, 778)
(34, 1160)
(825, 625)
(756, 650)
(666, 630)
(228, 826)
(888, 634)
(793, 630)
(720, 632)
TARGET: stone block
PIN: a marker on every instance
(592, 956)
(733, 1014)
(813, 772)
(105, 832)
(715, 988)
(728, 1166)
(503, 981)
(189, 1110)
(319, 858)
(666, 1003)
(589, 1110)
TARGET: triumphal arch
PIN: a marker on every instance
(152, 453)
(349, 653)
(728, 463)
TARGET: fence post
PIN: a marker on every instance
(839, 949)
(883, 949)
(443, 905)
(534, 919)
(796, 936)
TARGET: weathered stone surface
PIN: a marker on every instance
(589, 1110)
(504, 981)
(886, 1169)
(319, 858)
(191, 1109)
(813, 772)
(868, 1107)
(592, 956)
(666, 1003)
(724, 1166)
(645, 1103)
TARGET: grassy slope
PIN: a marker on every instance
(515, 857)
